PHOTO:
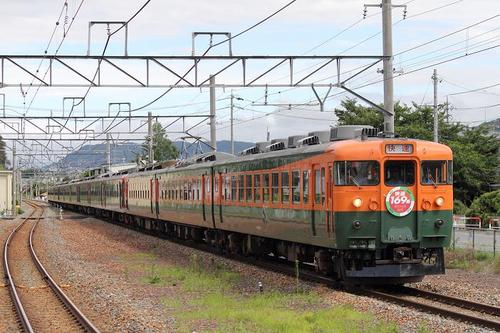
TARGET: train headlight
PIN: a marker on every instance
(439, 201)
(357, 202)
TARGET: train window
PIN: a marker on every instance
(249, 187)
(319, 186)
(207, 184)
(256, 187)
(285, 187)
(241, 187)
(356, 173)
(296, 186)
(233, 188)
(305, 186)
(275, 186)
(216, 189)
(436, 172)
(227, 188)
(266, 187)
(399, 173)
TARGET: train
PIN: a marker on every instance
(358, 205)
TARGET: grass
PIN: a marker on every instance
(208, 300)
(468, 259)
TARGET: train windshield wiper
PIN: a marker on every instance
(353, 179)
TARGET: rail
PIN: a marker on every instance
(82, 320)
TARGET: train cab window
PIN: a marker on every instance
(399, 173)
(436, 172)
(266, 187)
(285, 187)
(275, 186)
(256, 188)
(241, 188)
(305, 187)
(249, 187)
(357, 173)
(296, 186)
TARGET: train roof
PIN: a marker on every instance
(343, 142)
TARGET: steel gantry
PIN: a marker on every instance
(149, 71)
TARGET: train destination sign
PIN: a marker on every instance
(400, 201)
(399, 149)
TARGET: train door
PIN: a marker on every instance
(319, 199)
(203, 196)
(157, 195)
(399, 195)
(125, 193)
(102, 194)
(151, 193)
(330, 223)
(218, 196)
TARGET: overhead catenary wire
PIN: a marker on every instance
(209, 48)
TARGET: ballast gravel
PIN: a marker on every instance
(90, 259)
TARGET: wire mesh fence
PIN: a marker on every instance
(476, 238)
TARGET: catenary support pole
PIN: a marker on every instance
(436, 122)
(150, 138)
(14, 180)
(388, 66)
(232, 123)
(108, 152)
(213, 139)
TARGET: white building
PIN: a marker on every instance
(5, 192)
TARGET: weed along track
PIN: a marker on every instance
(40, 304)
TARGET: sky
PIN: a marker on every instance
(306, 27)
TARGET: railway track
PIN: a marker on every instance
(475, 313)
(40, 304)
(449, 307)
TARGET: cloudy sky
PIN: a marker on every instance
(307, 27)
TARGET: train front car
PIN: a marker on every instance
(392, 203)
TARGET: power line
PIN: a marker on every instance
(470, 90)
(448, 35)
(56, 51)
(208, 49)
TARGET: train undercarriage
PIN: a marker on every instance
(395, 264)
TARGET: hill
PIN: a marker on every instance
(92, 156)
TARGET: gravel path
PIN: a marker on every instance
(92, 260)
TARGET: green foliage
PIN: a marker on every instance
(475, 150)
(212, 300)
(163, 148)
(468, 259)
(459, 208)
(486, 206)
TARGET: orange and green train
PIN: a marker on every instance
(361, 209)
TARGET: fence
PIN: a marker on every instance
(475, 238)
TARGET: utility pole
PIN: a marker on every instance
(388, 68)
(213, 139)
(436, 123)
(232, 123)
(150, 138)
(14, 180)
(108, 152)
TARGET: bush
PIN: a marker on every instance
(486, 206)
(459, 208)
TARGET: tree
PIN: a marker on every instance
(3, 156)
(475, 151)
(163, 148)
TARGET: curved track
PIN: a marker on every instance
(38, 308)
